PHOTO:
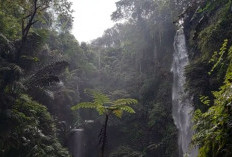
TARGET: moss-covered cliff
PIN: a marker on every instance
(208, 27)
(208, 24)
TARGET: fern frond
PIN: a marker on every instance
(127, 101)
(5, 69)
(84, 105)
(40, 92)
(118, 113)
(52, 69)
(16, 69)
(127, 109)
(99, 98)
(41, 81)
(101, 110)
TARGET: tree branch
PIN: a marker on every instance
(25, 30)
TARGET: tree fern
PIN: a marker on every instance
(104, 105)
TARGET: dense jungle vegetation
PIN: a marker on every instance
(45, 72)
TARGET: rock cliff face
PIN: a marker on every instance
(208, 31)
(207, 25)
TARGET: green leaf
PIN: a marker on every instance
(127, 109)
(127, 101)
(99, 98)
(101, 110)
(84, 105)
(118, 113)
(103, 105)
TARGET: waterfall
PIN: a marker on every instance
(181, 103)
(76, 144)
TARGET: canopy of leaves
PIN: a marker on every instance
(213, 127)
(27, 129)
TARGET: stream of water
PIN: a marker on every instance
(182, 106)
(76, 143)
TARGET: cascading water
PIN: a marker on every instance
(181, 103)
(76, 144)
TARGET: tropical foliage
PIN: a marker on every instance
(28, 129)
(104, 105)
(209, 77)
(44, 71)
(214, 126)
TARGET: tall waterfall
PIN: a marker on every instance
(181, 102)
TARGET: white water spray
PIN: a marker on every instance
(76, 143)
(181, 103)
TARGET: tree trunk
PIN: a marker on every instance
(25, 30)
(104, 136)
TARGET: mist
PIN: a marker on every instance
(125, 78)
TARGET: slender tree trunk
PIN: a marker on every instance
(104, 136)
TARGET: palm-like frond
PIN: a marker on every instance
(121, 105)
(118, 113)
(103, 104)
(41, 81)
(117, 110)
(127, 109)
(84, 105)
(99, 98)
(128, 101)
(17, 69)
(46, 75)
(101, 109)
(11, 67)
(52, 69)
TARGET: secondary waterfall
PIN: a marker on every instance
(181, 103)
(76, 143)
